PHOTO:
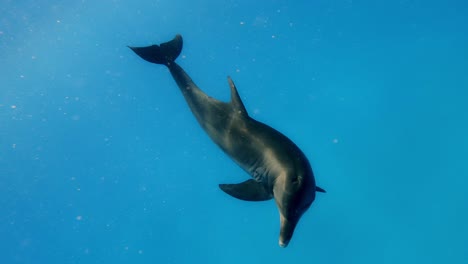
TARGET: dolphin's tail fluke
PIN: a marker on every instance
(161, 54)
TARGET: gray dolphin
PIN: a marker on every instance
(277, 166)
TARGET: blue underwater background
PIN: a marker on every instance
(101, 160)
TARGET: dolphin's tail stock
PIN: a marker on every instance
(161, 54)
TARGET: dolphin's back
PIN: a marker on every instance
(213, 115)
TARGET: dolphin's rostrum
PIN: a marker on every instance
(277, 166)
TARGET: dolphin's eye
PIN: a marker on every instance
(296, 179)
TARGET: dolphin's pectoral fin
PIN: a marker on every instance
(318, 189)
(250, 190)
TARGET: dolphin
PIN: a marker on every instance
(279, 169)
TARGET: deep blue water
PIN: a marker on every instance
(101, 160)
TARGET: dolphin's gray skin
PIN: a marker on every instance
(278, 167)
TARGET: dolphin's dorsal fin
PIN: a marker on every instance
(250, 190)
(236, 102)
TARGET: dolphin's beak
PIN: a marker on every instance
(286, 231)
(283, 244)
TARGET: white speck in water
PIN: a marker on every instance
(335, 140)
